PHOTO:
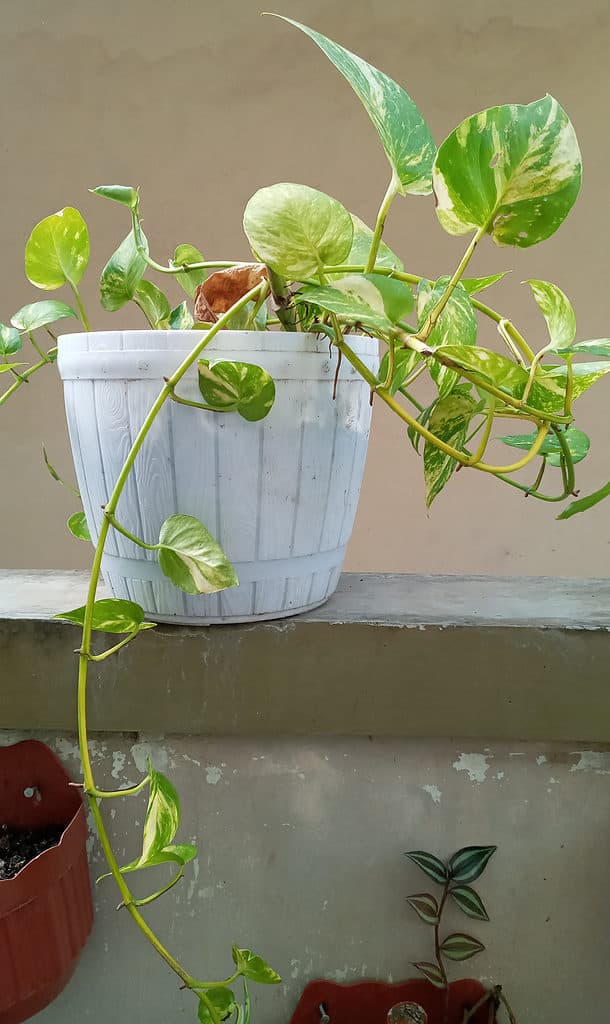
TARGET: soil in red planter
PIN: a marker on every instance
(19, 846)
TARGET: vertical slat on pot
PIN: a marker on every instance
(239, 458)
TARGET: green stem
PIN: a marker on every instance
(109, 794)
(113, 650)
(4, 397)
(480, 452)
(424, 333)
(379, 225)
(81, 308)
(142, 902)
(42, 354)
(193, 405)
(569, 386)
(126, 533)
(410, 398)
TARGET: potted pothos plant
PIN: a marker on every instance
(225, 443)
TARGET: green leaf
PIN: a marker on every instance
(5, 367)
(594, 347)
(77, 525)
(479, 284)
(10, 340)
(124, 194)
(584, 375)
(513, 171)
(425, 906)
(254, 967)
(461, 947)
(449, 421)
(430, 865)
(189, 280)
(180, 318)
(160, 826)
(223, 1001)
(469, 863)
(236, 387)
(39, 314)
(122, 274)
(368, 299)
(153, 304)
(431, 972)
(297, 230)
(405, 361)
(57, 251)
(53, 472)
(576, 440)
(361, 246)
(456, 324)
(583, 504)
(489, 365)
(404, 134)
(470, 902)
(110, 615)
(557, 311)
(190, 557)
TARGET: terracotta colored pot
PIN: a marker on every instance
(46, 911)
(368, 1002)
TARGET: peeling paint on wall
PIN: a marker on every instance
(597, 761)
(434, 792)
(476, 765)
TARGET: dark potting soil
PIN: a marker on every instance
(18, 846)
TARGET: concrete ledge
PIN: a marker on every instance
(440, 656)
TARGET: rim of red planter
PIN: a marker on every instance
(368, 1002)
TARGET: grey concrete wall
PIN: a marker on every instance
(140, 92)
(301, 846)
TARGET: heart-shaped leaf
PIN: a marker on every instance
(297, 230)
(557, 311)
(469, 901)
(111, 615)
(449, 422)
(457, 324)
(461, 947)
(425, 906)
(223, 1001)
(57, 251)
(190, 557)
(10, 340)
(469, 863)
(124, 194)
(122, 274)
(254, 967)
(77, 525)
(430, 865)
(153, 304)
(431, 972)
(404, 134)
(236, 387)
(189, 280)
(180, 318)
(513, 171)
(160, 826)
(473, 285)
(576, 440)
(39, 314)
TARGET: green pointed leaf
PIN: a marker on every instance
(473, 285)
(552, 383)
(576, 440)
(110, 615)
(405, 361)
(368, 299)
(425, 906)
(431, 972)
(189, 280)
(254, 967)
(39, 314)
(449, 421)
(236, 387)
(190, 557)
(491, 366)
(53, 472)
(361, 246)
(5, 367)
(77, 525)
(461, 947)
(404, 134)
(122, 274)
(457, 324)
(513, 171)
(180, 318)
(583, 504)
(469, 863)
(160, 827)
(470, 902)
(124, 194)
(297, 230)
(223, 1001)
(153, 304)
(430, 865)
(557, 311)
(10, 340)
(594, 347)
(57, 251)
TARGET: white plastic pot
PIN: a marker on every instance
(279, 495)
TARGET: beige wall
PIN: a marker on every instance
(202, 103)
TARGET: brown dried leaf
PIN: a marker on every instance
(221, 290)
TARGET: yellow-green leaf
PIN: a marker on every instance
(57, 251)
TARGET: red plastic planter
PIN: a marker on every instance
(46, 912)
(368, 1002)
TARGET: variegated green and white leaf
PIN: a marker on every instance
(405, 361)
(593, 347)
(252, 966)
(236, 387)
(557, 311)
(361, 246)
(549, 388)
(181, 318)
(10, 340)
(153, 304)
(191, 558)
(40, 314)
(404, 134)
(469, 863)
(473, 285)
(512, 171)
(110, 615)
(368, 299)
(431, 972)
(461, 947)
(122, 273)
(469, 902)
(449, 422)
(457, 325)
(429, 864)
(425, 906)
(297, 230)
(577, 441)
